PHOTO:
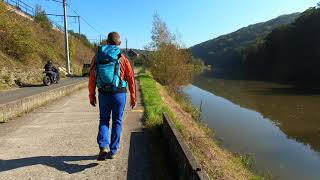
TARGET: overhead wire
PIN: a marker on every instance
(82, 18)
(57, 1)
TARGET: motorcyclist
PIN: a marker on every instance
(51, 69)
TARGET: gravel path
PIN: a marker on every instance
(58, 141)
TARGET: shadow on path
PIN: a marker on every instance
(139, 163)
(22, 84)
(58, 162)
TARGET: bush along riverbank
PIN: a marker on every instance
(217, 162)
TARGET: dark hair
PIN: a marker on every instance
(114, 38)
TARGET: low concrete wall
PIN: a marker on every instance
(181, 157)
(17, 107)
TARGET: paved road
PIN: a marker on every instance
(11, 95)
(58, 141)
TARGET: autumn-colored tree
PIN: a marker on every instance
(160, 34)
(169, 63)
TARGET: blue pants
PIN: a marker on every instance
(108, 103)
(54, 75)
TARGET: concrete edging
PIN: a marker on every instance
(24, 105)
(181, 157)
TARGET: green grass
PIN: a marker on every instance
(154, 107)
(152, 100)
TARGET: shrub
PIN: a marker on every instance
(170, 64)
(41, 18)
(71, 48)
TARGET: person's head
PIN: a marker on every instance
(114, 39)
(49, 62)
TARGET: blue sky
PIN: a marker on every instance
(194, 21)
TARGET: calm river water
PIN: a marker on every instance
(278, 125)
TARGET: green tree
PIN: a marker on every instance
(41, 18)
(289, 53)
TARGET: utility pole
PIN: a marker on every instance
(66, 36)
(126, 45)
(79, 25)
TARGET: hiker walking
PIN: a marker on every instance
(111, 73)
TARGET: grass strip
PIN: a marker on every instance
(154, 107)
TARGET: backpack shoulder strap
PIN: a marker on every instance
(119, 56)
(98, 54)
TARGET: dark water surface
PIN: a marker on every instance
(278, 125)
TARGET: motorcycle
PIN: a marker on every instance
(49, 77)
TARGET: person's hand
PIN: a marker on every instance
(93, 101)
(133, 104)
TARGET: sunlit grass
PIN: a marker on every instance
(154, 105)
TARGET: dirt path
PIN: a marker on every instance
(58, 141)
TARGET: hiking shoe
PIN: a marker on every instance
(102, 155)
(112, 155)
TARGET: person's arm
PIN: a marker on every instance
(46, 67)
(92, 82)
(129, 77)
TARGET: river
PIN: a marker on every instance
(277, 125)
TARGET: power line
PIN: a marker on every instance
(84, 19)
(56, 1)
(59, 15)
(81, 17)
